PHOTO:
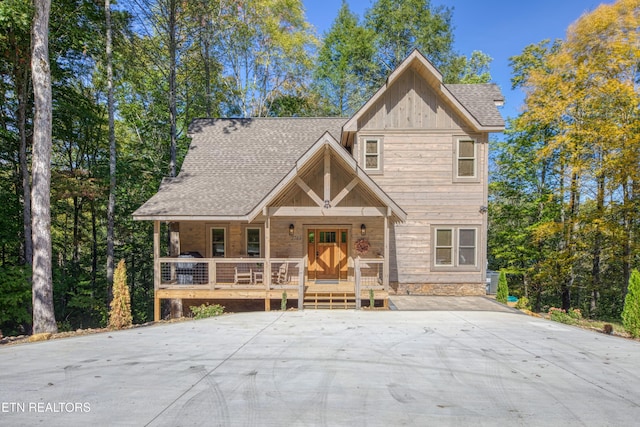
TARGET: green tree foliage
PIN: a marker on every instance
(120, 313)
(564, 188)
(15, 300)
(502, 293)
(343, 74)
(631, 311)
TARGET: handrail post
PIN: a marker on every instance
(211, 265)
(357, 284)
(301, 267)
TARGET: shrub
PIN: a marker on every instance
(502, 293)
(205, 310)
(523, 304)
(120, 313)
(569, 318)
(631, 311)
(283, 302)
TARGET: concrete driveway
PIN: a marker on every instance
(338, 368)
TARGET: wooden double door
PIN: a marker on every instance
(327, 251)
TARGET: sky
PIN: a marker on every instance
(499, 28)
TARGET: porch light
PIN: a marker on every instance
(363, 229)
(291, 229)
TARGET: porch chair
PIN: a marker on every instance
(242, 277)
(280, 277)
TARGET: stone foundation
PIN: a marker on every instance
(439, 289)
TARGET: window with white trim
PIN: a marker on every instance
(467, 163)
(455, 247)
(372, 156)
(253, 241)
(218, 241)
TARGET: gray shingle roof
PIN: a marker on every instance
(479, 100)
(233, 163)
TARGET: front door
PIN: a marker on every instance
(327, 254)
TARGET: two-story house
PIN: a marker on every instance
(334, 211)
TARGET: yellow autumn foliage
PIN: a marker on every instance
(120, 313)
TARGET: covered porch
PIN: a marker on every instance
(320, 235)
(337, 278)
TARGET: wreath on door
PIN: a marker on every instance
(362, 246)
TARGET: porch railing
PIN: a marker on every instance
(221, 273)
(369, 274)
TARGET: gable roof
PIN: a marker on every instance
(324, 142)
(476, 103)
(232, 163)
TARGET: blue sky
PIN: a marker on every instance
(499, 28)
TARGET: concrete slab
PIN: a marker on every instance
(446, 303)
(337, 368)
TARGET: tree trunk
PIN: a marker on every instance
(43, 313)
(176, 304)
(172, 85)
(111, 206)
(22, 86)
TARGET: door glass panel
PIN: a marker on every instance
(327, 237)
(312, 237)
(344, 237)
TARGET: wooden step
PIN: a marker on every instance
(330, 300)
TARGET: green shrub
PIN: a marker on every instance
(523, 304)
(559, 315)
(283, 302)
(205, 310)
(631, 311)
(502, 293)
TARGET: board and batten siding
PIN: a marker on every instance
(410, 103)
(419, 133)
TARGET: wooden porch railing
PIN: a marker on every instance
(225, 273)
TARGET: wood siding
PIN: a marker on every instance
(410, 103)
(419, 133)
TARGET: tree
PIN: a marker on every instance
(111, 207)
(43, 313)
(502, 293)
(579, 132)
(265, 52)
(631, 311)
(120, 313)
(403, 25)
(343, 72)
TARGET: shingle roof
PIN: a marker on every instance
(479, 100)
(233, 163)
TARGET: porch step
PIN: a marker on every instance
(330, 300)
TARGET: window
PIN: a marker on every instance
(372, 158)
(466, 167)
(327, 237)
(253, 242)
(444, 247)
(218, 242)
(455, 247)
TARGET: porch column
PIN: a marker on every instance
(385, 262)
(267, 251)
(174, 251)
(156, 270)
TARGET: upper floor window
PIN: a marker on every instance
(372, 154)
(466, 159)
